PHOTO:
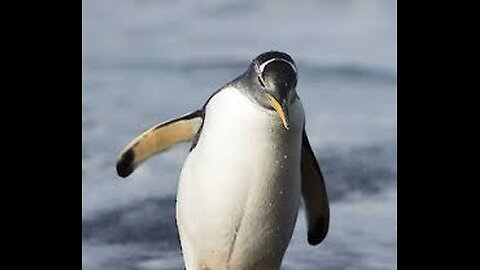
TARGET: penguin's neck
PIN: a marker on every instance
(234, 114)
(241, 107)
(247, 84)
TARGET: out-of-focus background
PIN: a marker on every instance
(146, 61)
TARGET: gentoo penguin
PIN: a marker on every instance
(249, 165)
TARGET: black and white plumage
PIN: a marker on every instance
(249, 166)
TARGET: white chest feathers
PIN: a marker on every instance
(239, 189)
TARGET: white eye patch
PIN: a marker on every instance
(262, 66)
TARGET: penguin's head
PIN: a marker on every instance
(275, 77)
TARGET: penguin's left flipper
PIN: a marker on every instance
(314, 195)
(157, 139)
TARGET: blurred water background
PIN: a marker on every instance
(146, 61)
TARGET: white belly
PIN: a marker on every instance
(239, 189)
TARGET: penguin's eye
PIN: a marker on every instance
(261, 82)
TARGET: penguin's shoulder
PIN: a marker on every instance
(205, 108)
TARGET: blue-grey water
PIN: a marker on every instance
(146, 61)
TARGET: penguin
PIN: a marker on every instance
(249, 167)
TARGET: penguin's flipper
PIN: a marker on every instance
(314, 195)
(157, 139)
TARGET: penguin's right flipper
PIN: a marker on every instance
(314, 195)
(157, 139)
